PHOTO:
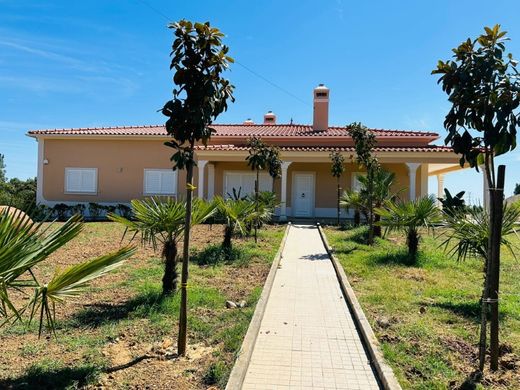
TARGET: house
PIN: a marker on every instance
(111, 165)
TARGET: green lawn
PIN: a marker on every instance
(426, 316)
(124, 317)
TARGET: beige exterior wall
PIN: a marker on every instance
(121, 164)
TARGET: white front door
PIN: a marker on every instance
(303, 194)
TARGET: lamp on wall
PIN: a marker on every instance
(45, 161)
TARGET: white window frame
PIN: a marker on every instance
(354, 182)
(175, 180)
(66, 186)
(250, 172)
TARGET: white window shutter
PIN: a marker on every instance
(81, 180)
(167, 182)
(160, 182)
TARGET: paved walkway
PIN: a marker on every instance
(307, 337)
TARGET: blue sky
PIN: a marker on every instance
(105, 63)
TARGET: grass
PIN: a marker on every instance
(426, 315)
(126, 313)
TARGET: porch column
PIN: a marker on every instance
(211, 181)
(440, 188)
(412, 173)
(283, 195)
(201, 164)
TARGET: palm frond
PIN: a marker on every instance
(72, 282)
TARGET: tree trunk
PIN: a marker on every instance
(357, 217)
(169, 280)
(370, 175)
(496, 213)
(377, 228)
(256, 204)
(227, 245)
(183, 316)
(339, 195)
(412, 240)
(483, 318)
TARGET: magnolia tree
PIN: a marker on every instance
(483, 86)
(201, 94)
(364, 143)
(262, 156)
(337, 169)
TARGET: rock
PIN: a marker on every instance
(242, 303)
(422, 310)
(231, 305)
(166, 343)
(383, 322)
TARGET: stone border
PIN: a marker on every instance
(238, 373)
(384, 372)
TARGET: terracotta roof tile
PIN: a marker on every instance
(230, 130)
(427, 148)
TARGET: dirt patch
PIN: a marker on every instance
(128, 352)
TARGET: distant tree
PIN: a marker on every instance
(200, 95)
(451, 205)
(336, 169)
(483, 87)
(517, 189)
(19, 193)
(364, 143)
(3, 177)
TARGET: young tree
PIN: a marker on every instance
(381, 185)
(274, 163)
(336, 169)
(352, 199)
(200, 95)
(483, 86)
(25, 244)
(364, 142)
(409, 217)
(161, 221)
(235, 213)
(258, 159)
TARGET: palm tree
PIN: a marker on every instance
(468, 236)
(25, 244)
(382, 182)
(409, 217)
(354, 200)
(235, 213)
(161, 221)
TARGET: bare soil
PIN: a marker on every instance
(130, 352)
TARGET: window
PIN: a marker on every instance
(355, 184)
(81, 180)
(160, 182)
(245, 183)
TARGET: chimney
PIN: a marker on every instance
(249, 122)
(321, 108)
(269, 118)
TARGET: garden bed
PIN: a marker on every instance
(427, 315)
(122, 333)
